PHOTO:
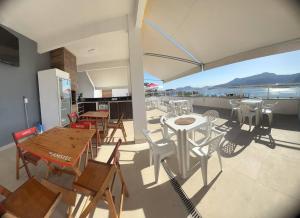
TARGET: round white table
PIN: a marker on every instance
(182, 146)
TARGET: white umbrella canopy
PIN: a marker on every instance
(216, 33)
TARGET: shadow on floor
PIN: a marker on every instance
(143, 193)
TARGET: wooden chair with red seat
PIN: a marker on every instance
(26, 157)
(74, 118)
(89, 146)
(115, 126)
(97, 181)
(22, 203)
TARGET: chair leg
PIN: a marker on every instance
(156, 167)
(124, 186)
(24, 162)
(250, 122)
(111, 205)
(91, 150)
(270, 119)
(87, 154)
(112, 135)
(124, 133)
(220, 160)
(17, 165)
(150, 157)
(203, 161)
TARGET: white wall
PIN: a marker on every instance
(110, 78)
(85, 86)
(119, 92)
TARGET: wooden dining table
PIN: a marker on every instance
(98, 116)
(60, 146)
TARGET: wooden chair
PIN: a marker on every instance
(97, 181)
(26, 157)
(89, 146)
(23, 203)
(74, 118)
(115, 126)
(68, 195)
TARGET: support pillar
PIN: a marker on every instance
(136, 79)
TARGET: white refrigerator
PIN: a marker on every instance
(55, 97)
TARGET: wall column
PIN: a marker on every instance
(136, 79)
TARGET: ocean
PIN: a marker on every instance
(282, 92)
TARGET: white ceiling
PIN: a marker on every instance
(41, 19)
(48, 21)
(209, 30)
(105, 47)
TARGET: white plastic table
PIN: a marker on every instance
(182, 145)
(252, 101)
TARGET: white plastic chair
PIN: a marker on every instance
(248, 112)
(235, 107)
(212, 116)
(205, 150)
(167, 132)
(267, 109)
(158, 151)
(187, 107)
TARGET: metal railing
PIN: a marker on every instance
(266, 91)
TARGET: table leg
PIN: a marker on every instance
(186, 156)
(97, 136)
(179, 152)
(183, 153)
(187, 146)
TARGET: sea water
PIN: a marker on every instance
(289, 92)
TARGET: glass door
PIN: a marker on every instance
(65, 100)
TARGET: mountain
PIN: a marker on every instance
(263, 78)
(191, 89)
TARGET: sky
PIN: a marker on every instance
(286, 63)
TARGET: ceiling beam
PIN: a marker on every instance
(140, 12)
(81, 32)
(103, 65)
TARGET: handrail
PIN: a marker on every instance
(240, 91)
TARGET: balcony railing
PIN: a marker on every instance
(266, 91)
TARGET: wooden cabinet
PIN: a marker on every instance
(63, 59)
(90, 106)
(80, 108)
(114, 110)
(117, 108)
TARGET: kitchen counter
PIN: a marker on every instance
(126, 98)
(116, 106)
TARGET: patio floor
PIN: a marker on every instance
(260, 177)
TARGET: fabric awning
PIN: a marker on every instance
(217, 33)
